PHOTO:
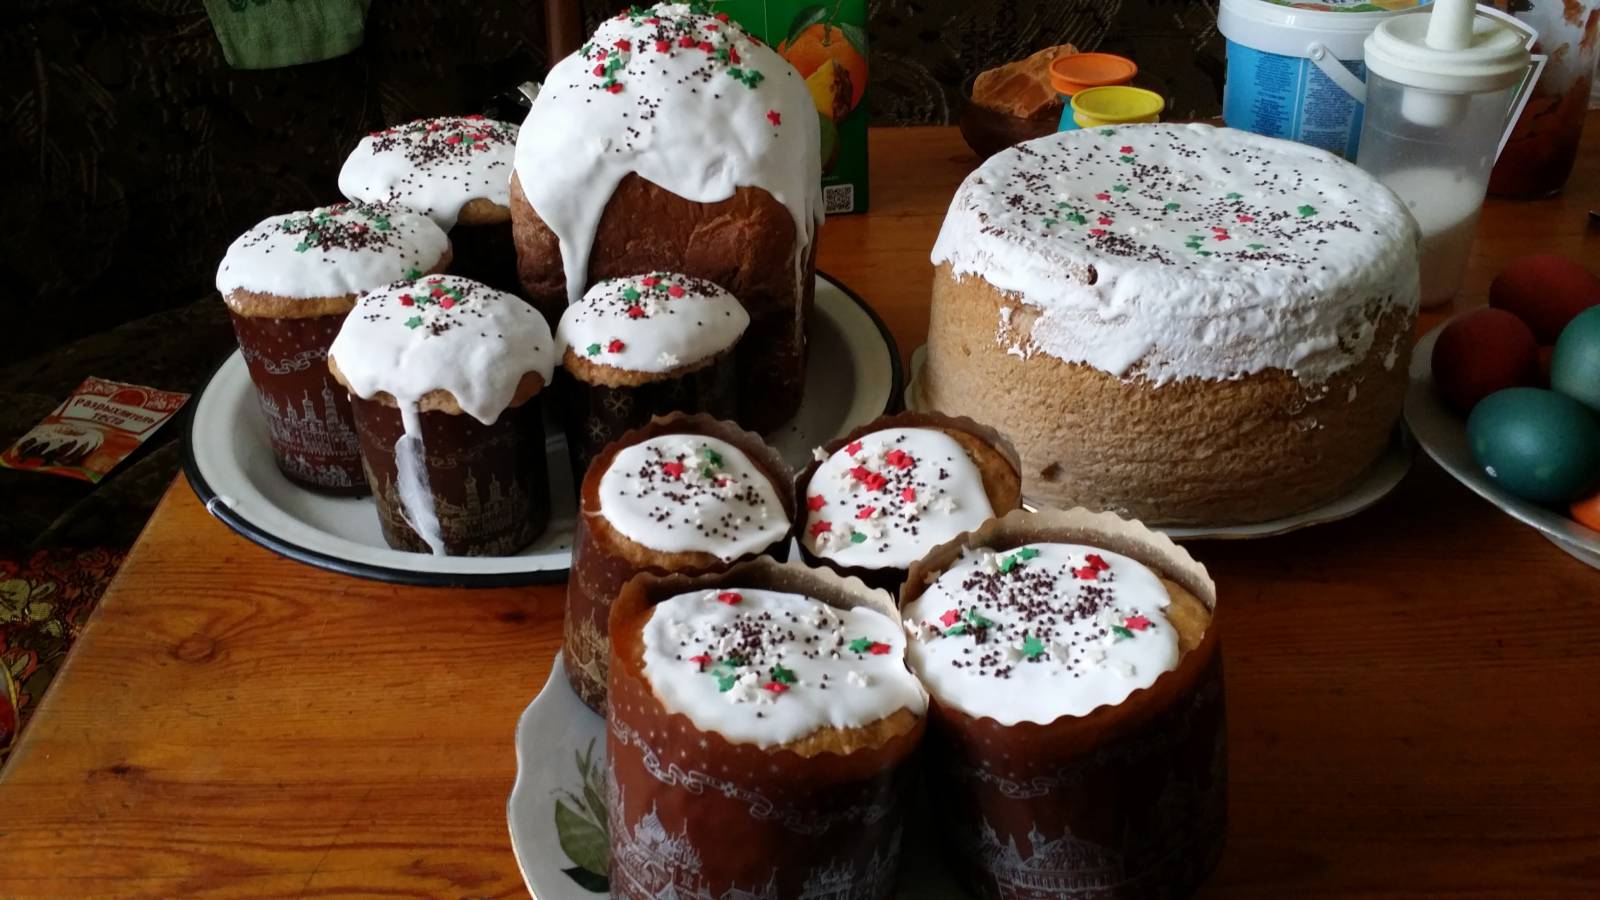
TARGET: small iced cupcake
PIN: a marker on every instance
(684, 493)
(878, 499)
(445, 373)
(288, 283)
(455, 170)
(1076, 728)
(760, 724)
(645, 346)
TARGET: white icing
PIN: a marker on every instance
(443, 332)
(417, 504)
(331, 251)
(652, 323)
(434, 166)
(681, 493)
(1050, 642)
(884, 501)
(767, 668)
(1249, 253)
(700, 120)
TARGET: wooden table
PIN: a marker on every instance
(1414, 694)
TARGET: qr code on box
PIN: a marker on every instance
(838, 198)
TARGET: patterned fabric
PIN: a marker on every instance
(45, 599)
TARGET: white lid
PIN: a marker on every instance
(1494, 56)
(1290, 31)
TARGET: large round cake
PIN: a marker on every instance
(1185, 324)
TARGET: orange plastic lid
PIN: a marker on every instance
(1080, 71)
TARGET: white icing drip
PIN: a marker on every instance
(1250, 253)
(434, 166)
(679, 118)
(804, 648)
(443, 332)
(652, 323)
(1067, 669)
(417, 503)
(930, 492)
(369, 245)
(690, 493)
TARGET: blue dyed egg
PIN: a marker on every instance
(1537, 444)
(1575, 365)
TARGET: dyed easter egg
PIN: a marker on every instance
(1575, 365)
(1480, 352)
(1587, 511)
(1537, 444)
(1546, 291)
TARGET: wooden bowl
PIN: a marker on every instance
(988, 132)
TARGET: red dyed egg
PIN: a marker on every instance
(1587, 511)
(1545, 291)
(1480, 352)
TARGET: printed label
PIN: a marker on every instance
(93, 430)
(1289, 97)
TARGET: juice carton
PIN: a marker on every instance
(827, 43)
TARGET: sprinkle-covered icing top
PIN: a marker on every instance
(1185, 251)
(331, 251)
(434, 166)
(652, 323)
(767, 668)
(443, 332)
(883, 501)
(1040, 632)
(680, 493)
(684, 97)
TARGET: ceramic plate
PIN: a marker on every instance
(854, 377)
(1443, 434)
(1381, 478)
(557, 817)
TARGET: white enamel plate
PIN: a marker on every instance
(853, 377)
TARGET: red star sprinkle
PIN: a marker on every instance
(899, 459)
(675, 291)
(773, 117)
(1105, 220)
(711, 27)
(615, 346)
(448, 302)
(731, 598)
(1244, 218)
(909, 495)
(705, 46)
(815, 503)
(879, 648)
(1137, 623)
(600, 70)
(1218, 229)
(950, 617)
(407, 300)
(436, 292)
(635, 312)
(1102, 196)
(1222, 237)
(775, 687)
(1087, 573)
(623, 45)
(868, 479)
(866, 512)
(1097, 561)
(1125, 150)
(601, 54)
(853, 448)
(673, 469)
(663, 46)
(649, 281)
(701, 661)
(652, 21)
(614, 87)
(473, 116)
(720, 17)
(733, 55)
(818, 528)
(1097, 231)
(686, 41)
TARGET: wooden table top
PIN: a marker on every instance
(1413, 694)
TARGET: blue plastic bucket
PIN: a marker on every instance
(1294, 70)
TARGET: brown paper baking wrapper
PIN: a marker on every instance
(309, 424)
(1128, 801)
(693, 813)
(486, 254)
(490, 482)
(599, 571)
(595, 415)
(890, 579)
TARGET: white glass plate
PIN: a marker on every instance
(1443, 434)
(853, 377)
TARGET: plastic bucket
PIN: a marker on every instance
(1295, 71)
(1116, 105)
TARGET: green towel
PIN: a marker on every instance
(271, 34)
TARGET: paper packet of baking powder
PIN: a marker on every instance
(93, 430)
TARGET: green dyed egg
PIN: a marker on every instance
(1575, 365)
(1537, 444)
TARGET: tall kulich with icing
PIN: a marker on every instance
(1076, 742)
(681, 494)
(288, 283)
(455, 170)
(1186, 324)
(878, 499)
(444, 374)
(757, 736)
(643, 346)
(674, 141)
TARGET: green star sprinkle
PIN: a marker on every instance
(1170, 207)
(860, 645)
(414, 322)
(1119, 188)
(629, 294)
(1307, 210)
(413, 273)
(1256, 246)
(1032, 647)
(711, 456)
(977, 620)
(1027, 553)
(1107, 132)
(782, 675)
(592, 350)
(725, 682)
(857, 537)
(1234, 195)
(1122, 632)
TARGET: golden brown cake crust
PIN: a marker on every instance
(1192, 452)
(483, 211)
(440, 400)
(258, 305)
(593, 373)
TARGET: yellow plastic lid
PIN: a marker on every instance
(1117, 104)
(1081, 71)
